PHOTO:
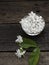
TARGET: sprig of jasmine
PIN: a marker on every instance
(27, 43)
(20, 52)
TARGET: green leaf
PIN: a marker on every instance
(34, 57)
(28, 43)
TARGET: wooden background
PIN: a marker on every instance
(11, 12)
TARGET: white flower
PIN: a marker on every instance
(32, 24)
(20, 53)
(19, 39)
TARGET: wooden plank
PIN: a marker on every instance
(12, 12)
(11, 59)
(19, 0)
(9, 32)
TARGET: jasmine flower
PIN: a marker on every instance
(19, 39)
(20, 53)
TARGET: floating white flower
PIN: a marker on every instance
(19, 39)
(32, 24)
(20, 53)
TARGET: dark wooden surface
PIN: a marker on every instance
(8, 33)
(19, 0)
(8, 58)
(12, 12)
(10, 15)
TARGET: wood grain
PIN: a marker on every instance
(9, 32)
(19, 0)
(7, 58)
(12, 12)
